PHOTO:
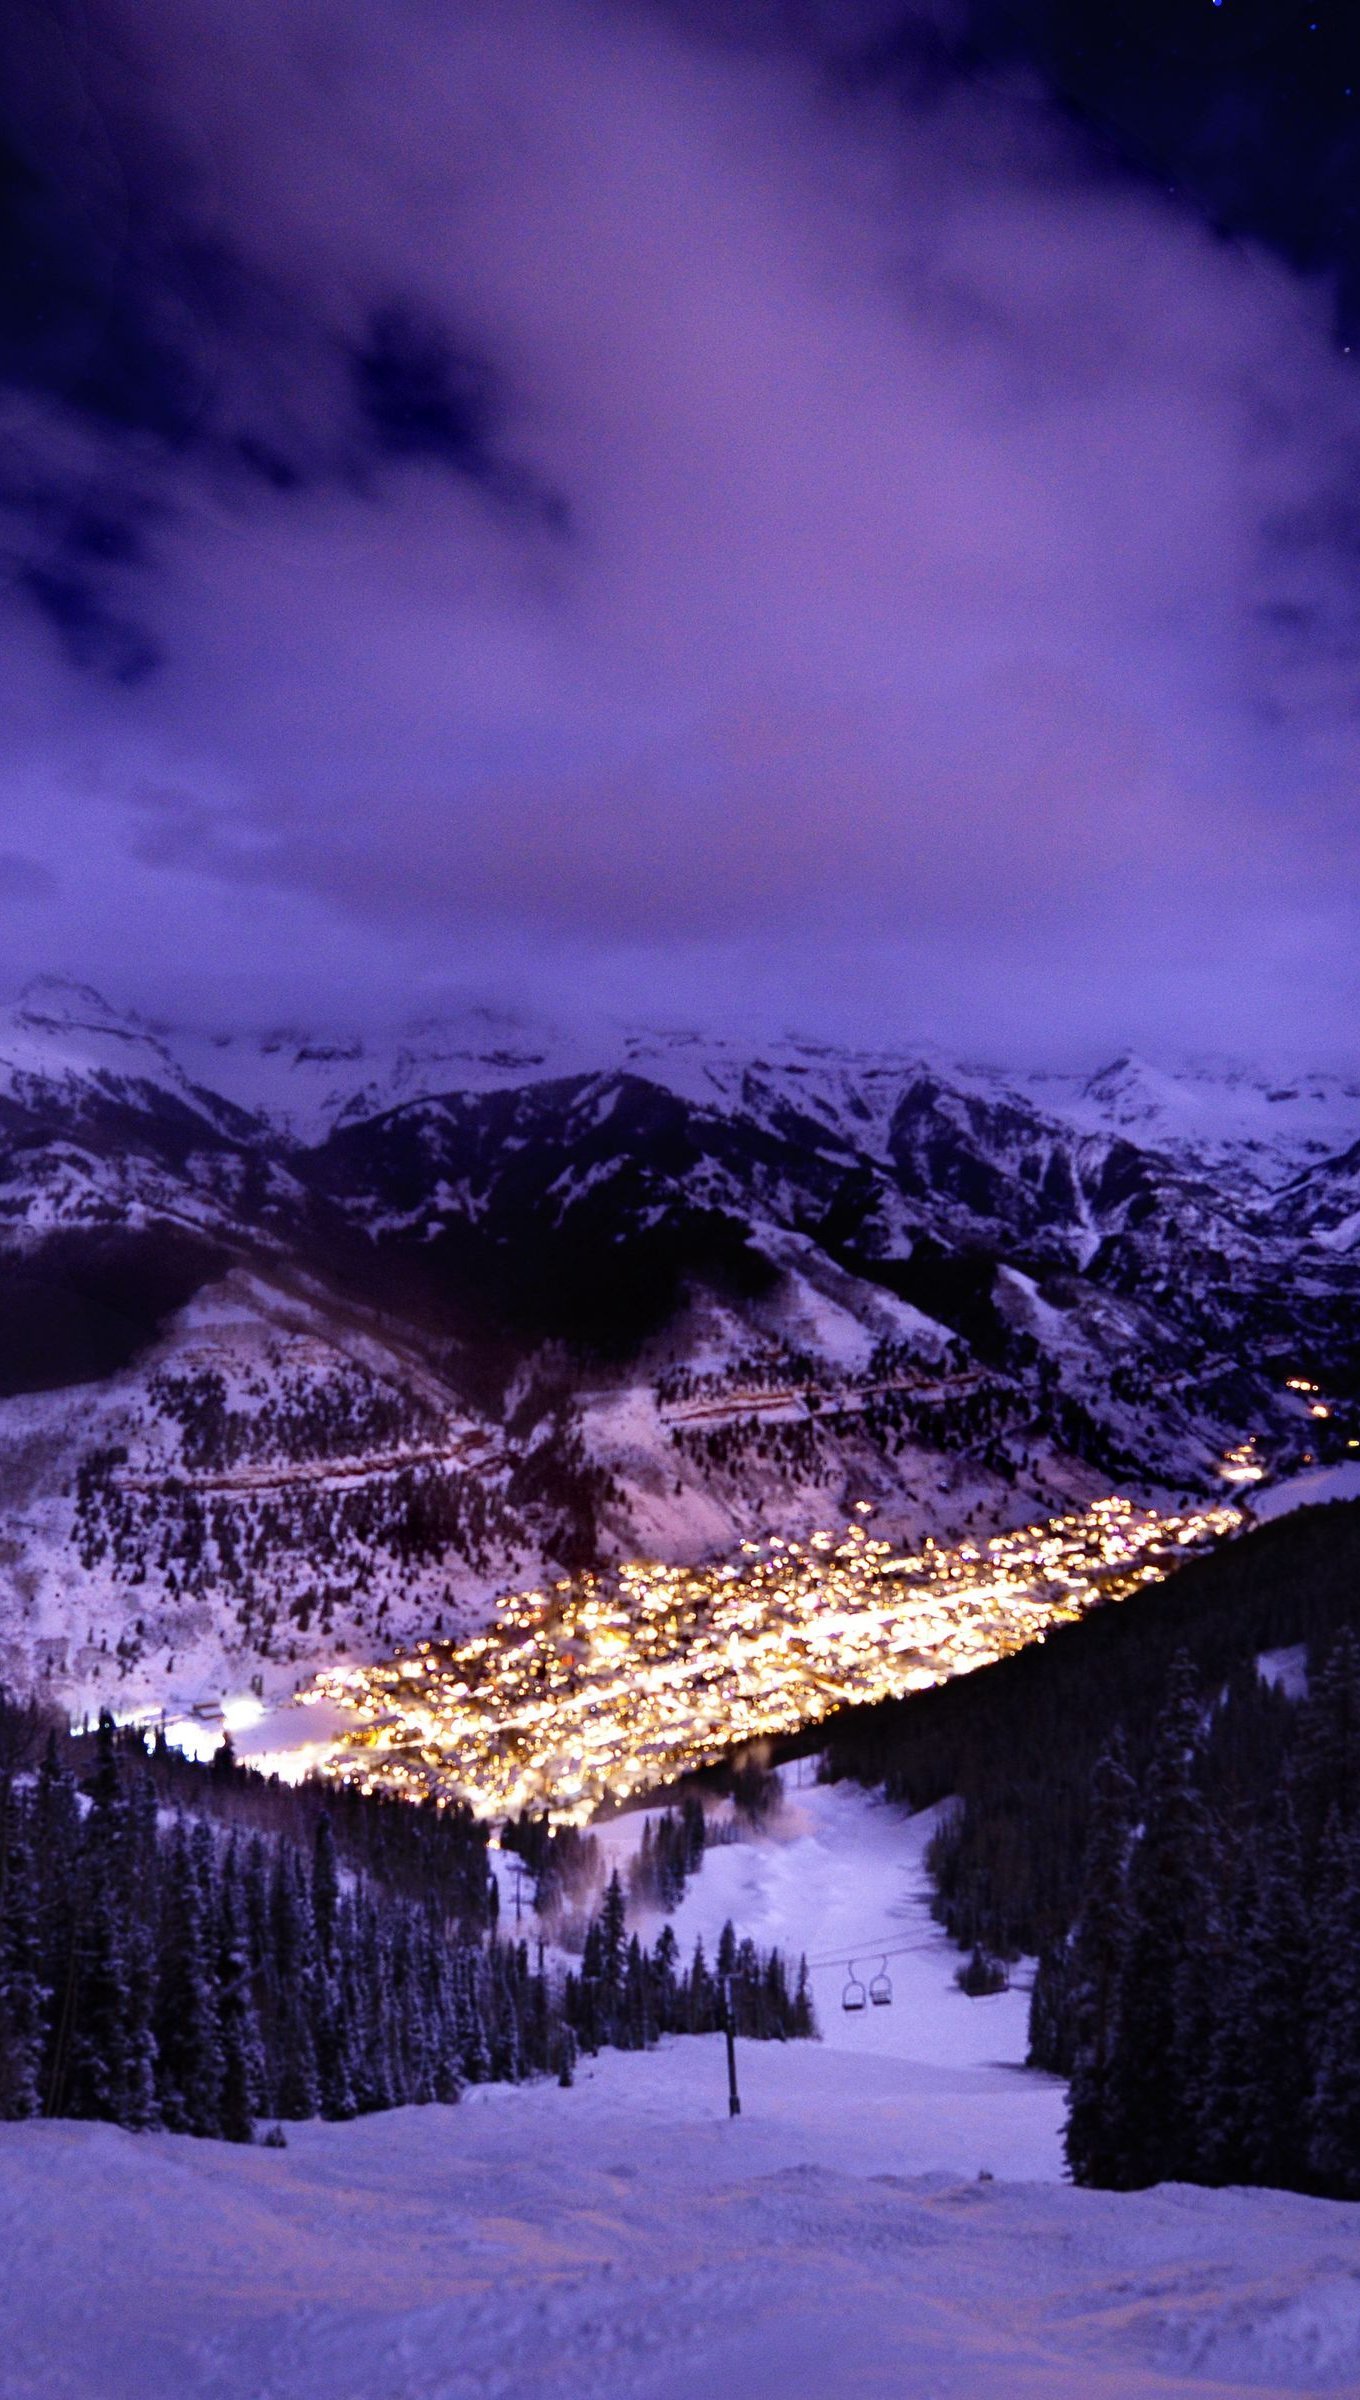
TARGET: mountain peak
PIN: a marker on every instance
(61, 1004)
(1127, 1073)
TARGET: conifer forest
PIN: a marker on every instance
(1207, 2002)
(202, 1949)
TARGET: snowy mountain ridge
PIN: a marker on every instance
(305, 1346)
(307, 1084)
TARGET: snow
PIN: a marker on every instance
(1287, 1670)
(1308, 1491)
(841, 1875)
(1218, 1112)
(1213, 1111)
(626, 2240)
(562, 2244)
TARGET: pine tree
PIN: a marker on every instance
(103, 2068)
(22, 1996)
(1327, 1751)
(699, 1998)
(188, 2031)
(331, 2028)
(96, 2079)
(1148, 2096)
(1332, 2129)
(296, 2086)
(1051, 2032)
(665, 1972)
(56, 1844)
(639, 2030)
(613, 1946)
(1093, 1966)
(372, 2013)
(644, 1880)
(1253, 2104)
(141, 2105)
(803, 2023)
(325, 1891)
(242, 2057)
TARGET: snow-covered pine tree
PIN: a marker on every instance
(330, 2025)
(242, 2057)
(297, 2091)
(188, 2031)
(103, 2070)
(372, 2011)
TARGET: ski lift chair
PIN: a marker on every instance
(854, 1997)
(880, 1990)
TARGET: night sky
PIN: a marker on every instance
(834, 516)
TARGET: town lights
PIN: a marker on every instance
(669, 1665)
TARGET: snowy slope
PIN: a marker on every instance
(1216, 1115)
(1212, 1114)
(623, 2241)
(1309, 1491)
(839, 1878)
(627, 2241)
(637, 1292)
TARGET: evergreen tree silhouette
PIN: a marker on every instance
(1326, 1763)
(1252, 2107)
(242, 2054)
(188, 2031)
(1332, 2128)
(103, 2069)
(1150, 2083)
(296, 2087)
(22, 1995)
(1094, 1968)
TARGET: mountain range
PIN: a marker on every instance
(310, 1345)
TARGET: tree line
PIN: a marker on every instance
(1015, 1745)
(248, 1953)
(1206, 2002)
(628, 1996)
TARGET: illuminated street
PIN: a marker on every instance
(607, 1683)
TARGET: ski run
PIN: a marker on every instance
(885, 2220)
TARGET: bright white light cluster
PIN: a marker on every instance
(605, 1684)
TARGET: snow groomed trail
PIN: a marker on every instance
(626, 2241)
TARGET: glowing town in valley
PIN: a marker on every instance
(608, 1683)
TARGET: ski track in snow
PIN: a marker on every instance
(625, 2241)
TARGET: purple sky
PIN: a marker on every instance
(560, 502)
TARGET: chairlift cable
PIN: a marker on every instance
(846, 1958)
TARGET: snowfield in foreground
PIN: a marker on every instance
(626, 2239)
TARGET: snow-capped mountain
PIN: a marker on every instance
(311, 1344)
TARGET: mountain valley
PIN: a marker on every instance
(312, 1348)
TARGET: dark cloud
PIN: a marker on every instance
(93, 636)
(422, 398)
(675, 499)
(141, 309)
